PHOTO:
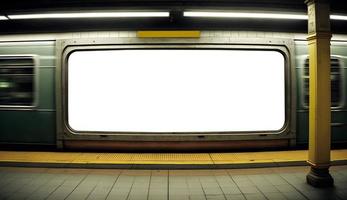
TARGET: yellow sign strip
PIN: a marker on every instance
(168, 34)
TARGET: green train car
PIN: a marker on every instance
(113, 90)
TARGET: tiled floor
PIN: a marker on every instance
(260, 183)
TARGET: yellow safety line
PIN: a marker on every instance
(162, 158)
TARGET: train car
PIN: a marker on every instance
(117, 90)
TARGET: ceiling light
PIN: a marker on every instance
(338, 17)
(255, 15)
(3, 18)
(246, 15)
(89, 15)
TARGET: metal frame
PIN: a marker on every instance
(35, 102)
(65, 47)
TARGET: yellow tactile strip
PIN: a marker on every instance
(163, 158)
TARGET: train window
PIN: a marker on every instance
(17, 74)
(335, 76)
(176, 90)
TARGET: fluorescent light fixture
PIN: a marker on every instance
(3, 18)
(246, 15)
(89, 15)
(166, 14)
(338, 17)
(255, 15)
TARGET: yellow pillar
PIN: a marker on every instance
(319, 109)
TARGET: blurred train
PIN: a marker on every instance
(113, 90)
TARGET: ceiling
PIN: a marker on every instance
(293, 5)
(38, 6)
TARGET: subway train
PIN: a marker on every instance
(118, 91)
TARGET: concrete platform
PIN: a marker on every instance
(219, 184)
(162, 160)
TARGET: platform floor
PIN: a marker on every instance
(164, 160)
(219, 184)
